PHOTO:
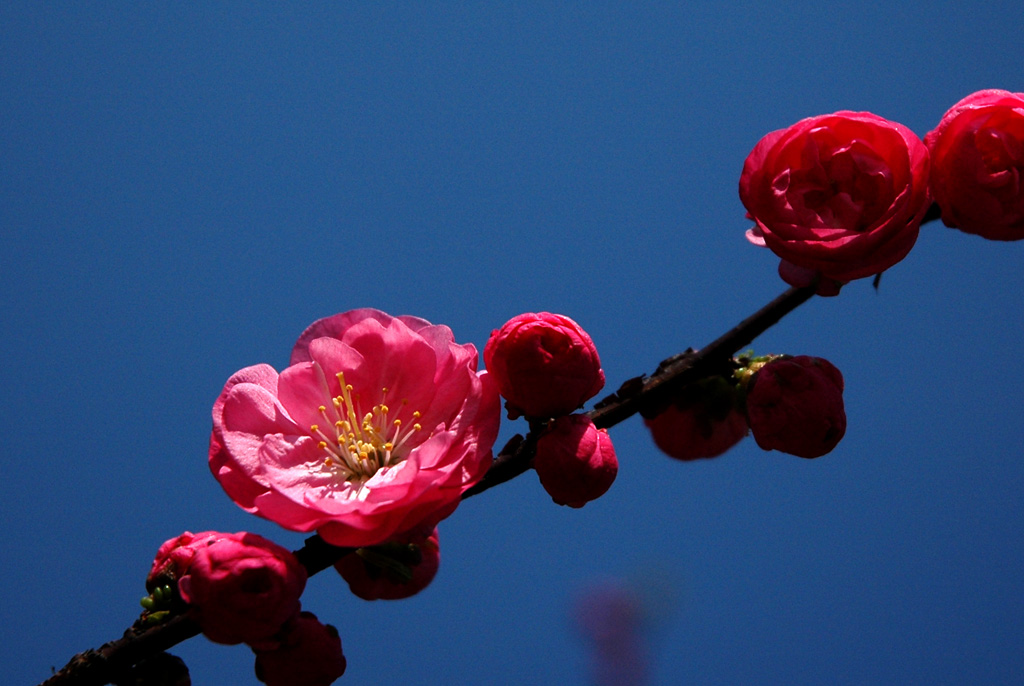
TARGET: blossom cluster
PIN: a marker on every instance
(790, 404)
(379, 425)
(546, 366)
(842, 196)
(242, 588)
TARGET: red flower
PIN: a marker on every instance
(575, 461)
(544, 364)
(397, 569)
(309, 655)
(795, 405)
(841, 194)
(977, 155)
(242, 588)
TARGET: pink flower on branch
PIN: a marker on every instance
(575, 461)
(377, 427)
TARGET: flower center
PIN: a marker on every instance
(359, 448)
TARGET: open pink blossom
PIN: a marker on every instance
(242, 588)
(377, 427)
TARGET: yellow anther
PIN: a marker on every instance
(314, 428)
(323, 408)
(384, 409)
(416, 427)
(417, 414)
(322, 445)
(389, 446)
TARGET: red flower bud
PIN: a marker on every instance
(703, 420)
(242, 588)
(690, 432)
(309, 655)
(978, 165)
(795, 405)
(175, 557)
(575, 461)
(544, 365)
(397, 569)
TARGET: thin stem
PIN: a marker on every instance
(112, 661)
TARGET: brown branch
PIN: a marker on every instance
(113, 660)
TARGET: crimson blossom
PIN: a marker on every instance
(841, 195)
(242, 588)
(309, 655)
(575, 461)
(398, 569)
(978, 165)
(795, 406)
(545, 365)
(378, 426)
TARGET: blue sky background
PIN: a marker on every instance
(185, 187)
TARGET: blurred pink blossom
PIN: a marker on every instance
(400, 568)
(309, 655)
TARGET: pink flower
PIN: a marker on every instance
(242, 588)
(795, 405)
(377, 427)
(575, 460)
(544, 364)
(977, 155)
(841, 194)
(397, 569)
(309, 655)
